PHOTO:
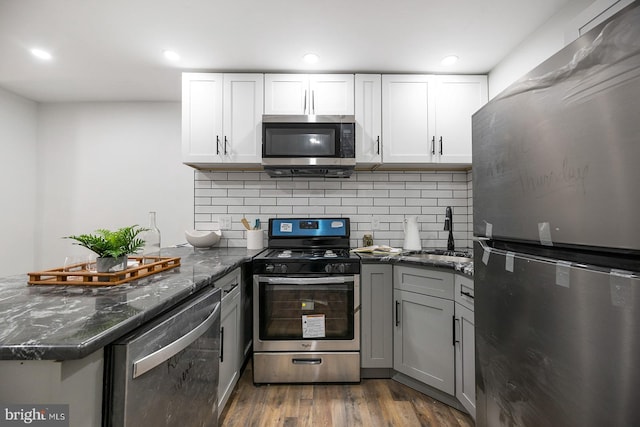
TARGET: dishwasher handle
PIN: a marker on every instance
(156, 358)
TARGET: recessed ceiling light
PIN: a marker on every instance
(171, 55)
(449, 60)
(311, 58)
(41, 54)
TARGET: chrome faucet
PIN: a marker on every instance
(448, 226)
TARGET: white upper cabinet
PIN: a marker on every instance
(201, 117)
(242, 117)
(457, 98)
(427, 119)
(407, 118)
(368, 112)
(320, 94)
(221, 119)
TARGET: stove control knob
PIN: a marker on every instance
(341, 268)
(327, 268)
(282, 268)
(269, 268)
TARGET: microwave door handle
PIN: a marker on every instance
(154, 359)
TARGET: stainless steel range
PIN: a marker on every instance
(306, 293)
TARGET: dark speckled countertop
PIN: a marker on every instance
(69, 322)
(465, 268)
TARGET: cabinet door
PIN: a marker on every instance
(465, 359)
(331, 94)
(286, 93)
(229, 346)
(437, 283)
(408, 118)
(201, 118)
(457, 98)
(376, 349)
(423, 339)
(243, 104)
(368, 112)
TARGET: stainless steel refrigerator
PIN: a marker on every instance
(556, 183)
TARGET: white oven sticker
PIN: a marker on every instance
(286, 227)
(313, 326)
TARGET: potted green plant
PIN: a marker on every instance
(112, 247)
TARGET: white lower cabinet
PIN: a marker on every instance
(231, 353)
(423, 334)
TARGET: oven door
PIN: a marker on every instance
(306, 313)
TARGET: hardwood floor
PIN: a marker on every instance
(373, 402)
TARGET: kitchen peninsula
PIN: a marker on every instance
(53, 337)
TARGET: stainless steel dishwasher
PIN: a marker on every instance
(166, 372)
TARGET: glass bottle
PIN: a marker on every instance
(151, 241)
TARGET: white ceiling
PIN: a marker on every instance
(111, 50)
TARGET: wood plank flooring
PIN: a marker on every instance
(373, 402)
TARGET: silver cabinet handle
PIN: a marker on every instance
(378, 140)
(433, 145)
(217, 144)
(225, 146)
(313, 102)
(154, 359)
(440, 146)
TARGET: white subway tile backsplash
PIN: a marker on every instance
(210, 192)
(279, 210)
(341, 210)
(386, 196)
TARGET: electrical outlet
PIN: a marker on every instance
(225, 222)
(375, 223)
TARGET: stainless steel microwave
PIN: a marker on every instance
(308, 145)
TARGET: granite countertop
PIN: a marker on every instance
(465, 268)
(49, 322)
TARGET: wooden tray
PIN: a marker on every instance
(78, 275)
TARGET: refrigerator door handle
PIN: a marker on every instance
(154, 359)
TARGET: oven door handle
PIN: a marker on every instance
(306, 280)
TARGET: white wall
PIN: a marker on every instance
(543, 43)
(18, 170)
(106, 165)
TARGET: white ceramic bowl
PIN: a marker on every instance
(203, 239)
